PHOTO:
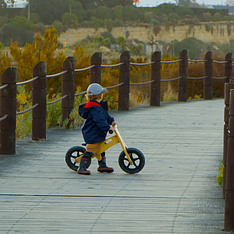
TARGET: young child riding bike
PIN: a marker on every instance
(97, 123)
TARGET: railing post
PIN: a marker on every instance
(207, 83)
(156, 77)
(228, 67)
(124, 77)
(95, 74)
(183, 81)
(227, 88)
(68, 87)
(8, 106)
(229, 194)
(39, 97)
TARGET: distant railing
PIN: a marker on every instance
(8, 89)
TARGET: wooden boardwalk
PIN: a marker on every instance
(176, 192)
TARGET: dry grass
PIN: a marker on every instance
(170, 94)
(138, 97)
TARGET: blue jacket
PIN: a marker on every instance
(97, 121)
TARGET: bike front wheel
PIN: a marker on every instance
(137, 158)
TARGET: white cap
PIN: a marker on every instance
(95, 89)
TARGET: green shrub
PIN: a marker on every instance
(219, 177)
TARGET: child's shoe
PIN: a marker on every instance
(84, 163)
(103, 167)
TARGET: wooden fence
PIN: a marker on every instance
(8, 101)
(9, 88)
(228, 157)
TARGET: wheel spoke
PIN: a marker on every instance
(133, 160)
(126, 159)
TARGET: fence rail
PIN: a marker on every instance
(39, 103)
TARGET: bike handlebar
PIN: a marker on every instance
(111, 131)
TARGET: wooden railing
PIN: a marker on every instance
(8, 89)
(228, 157)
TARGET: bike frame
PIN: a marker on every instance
(108, 143)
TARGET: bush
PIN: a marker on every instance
(58, 25)
(23, 23)
(70, 20)
(42, 49)
(12, 33)
(194, 46)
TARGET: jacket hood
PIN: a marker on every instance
(84, 109)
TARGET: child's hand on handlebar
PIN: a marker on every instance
(112, 128)
(114, 123)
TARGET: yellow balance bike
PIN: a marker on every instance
(131, 160)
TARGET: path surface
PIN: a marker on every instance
(176, 192)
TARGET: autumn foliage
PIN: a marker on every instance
(46, 48)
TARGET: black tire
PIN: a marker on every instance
(72, 154)
(138, 161)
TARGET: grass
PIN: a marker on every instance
(219, 177)
(54, 114)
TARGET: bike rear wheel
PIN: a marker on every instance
(72, 157)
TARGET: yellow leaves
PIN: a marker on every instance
(44, 48)
(219, 177)
(82, 58)
(5, 62)
(22, 96)
(15, 51)
(169, 70)
(196, 96)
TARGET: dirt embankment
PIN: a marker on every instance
(220, 33)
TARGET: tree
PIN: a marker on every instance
(3, 4)
(217, 16)
(120, 40)
(117, 13)
(58, 25)
(43, 48)
(18, 29)
(87, 4)
(148, 16)
(3, 20)
(49, 11)
(132, 13)
(187, 3)
(103, 12)
(193, 45)
(173, 17)
(183, 11)
(22, 23)
(206, 16)
(13, 33)
(70, 20)
(76, 8)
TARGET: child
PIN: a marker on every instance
(95, 128)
